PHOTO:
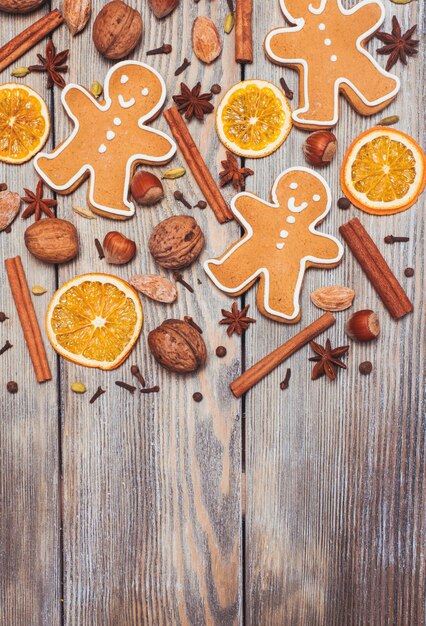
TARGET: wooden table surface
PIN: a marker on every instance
(130, 511)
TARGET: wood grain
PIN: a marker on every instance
(151, 510)
(30, 560)
(335, 471)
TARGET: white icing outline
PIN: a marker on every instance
(299, 23)
(135, 157)
(264, 270)
(320, 8)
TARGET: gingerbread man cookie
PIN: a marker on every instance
(279, 243)
(326, 46)
(109, 138)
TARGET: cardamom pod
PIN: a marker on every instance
(38, 291)
(389, 121)
(84, 212)
(229, 23)
(20, 72)
(176, 172)
(78, 388)
(96, 89)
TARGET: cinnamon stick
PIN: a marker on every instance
(20, 44)
(197, 165)
(375, 267)
(265, 366)
(28, 319)
(243, 31)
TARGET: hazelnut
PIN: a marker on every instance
(363, 326)
(320, 147)
(176, 242)
(177, 346)
(117, 29)
(118, 249)
(20, 6)
(161, 8)
(146, 188)
(52, 240)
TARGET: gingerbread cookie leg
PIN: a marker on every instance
(278, 303)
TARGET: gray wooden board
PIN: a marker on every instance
(145, 527)
(335, 517)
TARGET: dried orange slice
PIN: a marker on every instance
(384, 171)
(94, 320)
(253, 119)
(24, 123)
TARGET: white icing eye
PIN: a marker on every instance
(284, 234)
(102, 148)
(321, 26)
(117, 121)
(124, 79)
(110, 135)
(293, 185)
(333, 58)
(327, 42)
(290, 219)
(145, 91)
(280, 245)
(316, 198)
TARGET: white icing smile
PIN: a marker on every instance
(294, 208)
(126, 104)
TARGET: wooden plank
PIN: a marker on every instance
(30, 587)
(152, 483)
(335, 520)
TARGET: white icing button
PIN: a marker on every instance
(316, 198)
(333, 58)
(284, 234)
(280, 245)
(124, 79)
(327, 42)
(293, 185)
(102, 148)
(321, 26)
(145, 91)
(117, 121)
(110, 135)
(290, 219)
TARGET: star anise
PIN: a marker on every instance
(236, 320)
(232, 172)
(398, 45)
(53, 64)
(327, 359)
(192, 102)
(37, 204)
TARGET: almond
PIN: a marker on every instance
(9, 207)
(155, 287)
(161, 8)
(206, 40)
(334, 298)
(76, 14)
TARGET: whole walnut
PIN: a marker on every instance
(117, 29)
(176, 242)
(178, 346)
(20, 6)
(52, 240)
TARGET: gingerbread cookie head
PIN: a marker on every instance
(109, 139)
(137, 87)
(280, 243)
(327, 46)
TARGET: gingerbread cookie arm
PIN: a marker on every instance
(287, 39)
(160, 148)
(58, 168)
(321, 249)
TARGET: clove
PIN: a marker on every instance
(99, 249)
(182, 67)
(181, 198)
(179, 279)
(125, 386)
(6, 346)
(164, 49)
(150, 389)
(394, 239)
(96, 395)
(137, 374)
(286, 89)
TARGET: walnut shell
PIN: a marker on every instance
(117, 29)
(178, 346)
(52, 240)
(20, 6)
(176, 242)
